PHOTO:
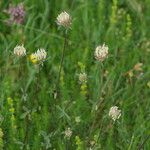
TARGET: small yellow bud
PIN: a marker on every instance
(33, 58)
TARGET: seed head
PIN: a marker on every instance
(101, 53)
(64, 20)
(114, 113)
(19, 51)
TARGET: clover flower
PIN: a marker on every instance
(114, 113)
(64, 20)
(101, 53)
(17, 14)
(68, 133)
(39, 56)
(19, 51)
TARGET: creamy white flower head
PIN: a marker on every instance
(68, 133)
(114, 113)
(19, 51)
(38, 57)
(101, 52)
(83, 77)
(41, 54)
(64, 20)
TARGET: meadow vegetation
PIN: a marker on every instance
(77, 85)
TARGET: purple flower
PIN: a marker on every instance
(17, 14)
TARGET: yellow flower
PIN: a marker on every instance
(33, 58)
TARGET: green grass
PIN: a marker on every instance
(38, 121)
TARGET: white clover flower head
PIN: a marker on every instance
(68, 133)
(114, 113)
(38, 57)
(41, 55)
(64, 19)
(101, 53)
(83, 77)
(19, 51)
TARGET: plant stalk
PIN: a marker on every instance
(62, 61)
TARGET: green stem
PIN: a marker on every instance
(62, 60)
(141, 146)
(99, 102)
(26, 133)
